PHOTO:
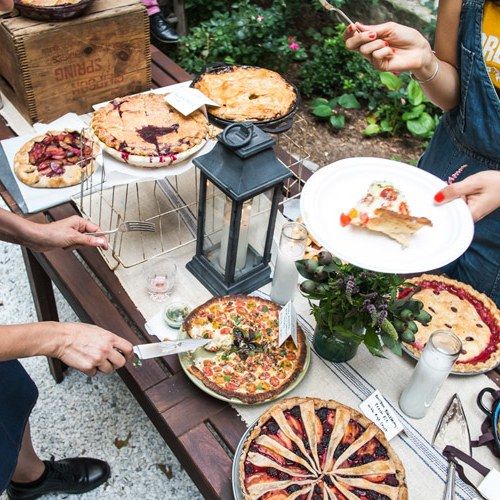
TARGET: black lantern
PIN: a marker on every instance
(240, 187)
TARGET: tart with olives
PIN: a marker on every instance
(56, 159)
(470, 315)
(311, 449)
(145, 131)
(247, 93)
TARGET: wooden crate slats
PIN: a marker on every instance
(52, 68)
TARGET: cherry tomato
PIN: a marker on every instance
(225, 331)
(274, 381)
(291, 356)
(389, 194)
(345, 220)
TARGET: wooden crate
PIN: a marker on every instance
(49, 69)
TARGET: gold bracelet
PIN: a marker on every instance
(427, 80)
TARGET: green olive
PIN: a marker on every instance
(407, 315)
(324, 258)
(423, 317)
(412, 326)
(311, 265)
(399, 325)
(408, 336)
(320, 276)
(308, 286)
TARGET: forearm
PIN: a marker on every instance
(444, 89)
(16, 229)
(6, 5)
(32, 339)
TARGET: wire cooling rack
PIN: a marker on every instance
(172, 205)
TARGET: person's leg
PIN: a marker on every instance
(152, 6)
(29, 466)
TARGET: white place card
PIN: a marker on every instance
(287, 323)
(188, 100)
(376, 408)
(489, 485)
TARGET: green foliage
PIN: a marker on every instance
(364, 306)
(331, 69)
(245, 34)
(405, 105)
(329, 110)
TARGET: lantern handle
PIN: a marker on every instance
(240, 137)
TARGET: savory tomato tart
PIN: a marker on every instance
(384, 209)
(470, 315)
(247, 93)
(311, 449)
(247, 363)
(56, 159)
(145, 131)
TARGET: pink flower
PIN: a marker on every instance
(260, 18)
(294, 46)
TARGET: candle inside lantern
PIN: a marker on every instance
(241, 253)
(291, 248)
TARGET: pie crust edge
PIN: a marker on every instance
(482, 366)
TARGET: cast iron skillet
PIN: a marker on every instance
(275, 126)
(493, 413)
(55, 13)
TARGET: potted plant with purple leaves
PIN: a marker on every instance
(353, 306)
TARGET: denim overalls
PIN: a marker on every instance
(470, 133)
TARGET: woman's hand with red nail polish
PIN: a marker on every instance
(480, 191)
(395, 47)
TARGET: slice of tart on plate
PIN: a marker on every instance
(56, 159)
(145, 131)
(384, 209)
(470, 315)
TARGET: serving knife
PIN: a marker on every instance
(452, 429)
(158, 349)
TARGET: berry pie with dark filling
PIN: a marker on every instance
(247, 93)
(470, 315)
(56, 159)
(311, 449)
(145, 131)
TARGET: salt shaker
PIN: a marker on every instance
(291, 248)
(433, 367)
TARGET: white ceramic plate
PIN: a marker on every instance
(338, 187)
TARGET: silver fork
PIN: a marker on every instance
(342, 15)
(125, 227)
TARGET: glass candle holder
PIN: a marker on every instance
(176, 313)
(433, 367)
(291, 248)
(161, 282)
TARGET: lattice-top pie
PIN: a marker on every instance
(247, 93)
(470, 315)
(144, 130)
(310, 449)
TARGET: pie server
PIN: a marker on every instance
(452, 429)
(158, 349)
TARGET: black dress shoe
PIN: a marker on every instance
(71, 475)
(161, 30)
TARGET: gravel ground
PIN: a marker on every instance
(94, 417)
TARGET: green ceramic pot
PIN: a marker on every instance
(333, 345)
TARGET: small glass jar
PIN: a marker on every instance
(176, 313)
(161, 282)
(433, 367)
(292, 246)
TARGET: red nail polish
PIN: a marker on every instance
(372, 35)
(386, 43)
(439, 197)
(393, 51)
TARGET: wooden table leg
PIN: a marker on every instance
(45, 303)
(180, 14)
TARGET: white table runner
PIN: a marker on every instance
(350, 383)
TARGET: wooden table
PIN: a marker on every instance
(202, 431)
